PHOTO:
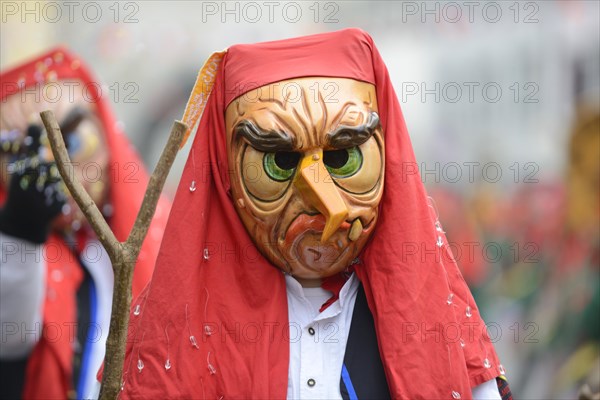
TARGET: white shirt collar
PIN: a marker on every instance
(347, 293)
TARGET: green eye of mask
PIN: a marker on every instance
(280, 166)
(343, 163)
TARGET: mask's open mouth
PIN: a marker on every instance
(302, 242)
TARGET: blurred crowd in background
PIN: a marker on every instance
(502, 104)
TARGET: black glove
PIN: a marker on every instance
(35, 194)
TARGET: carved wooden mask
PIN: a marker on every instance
(307, 158)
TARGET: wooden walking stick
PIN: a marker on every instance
(123, 255)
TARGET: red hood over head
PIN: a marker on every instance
(214, 320)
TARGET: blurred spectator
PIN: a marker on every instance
(56, 278)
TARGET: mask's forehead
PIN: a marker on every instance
(306, 109)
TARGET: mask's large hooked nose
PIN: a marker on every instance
(317, 187)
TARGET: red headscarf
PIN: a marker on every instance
(213, 321)
(49, 368)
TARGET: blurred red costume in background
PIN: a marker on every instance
(50, 365)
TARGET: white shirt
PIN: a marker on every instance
(317, 358)
(22, 288)
(23, 291)
(318, 342)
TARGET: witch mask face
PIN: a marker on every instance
(83, 135)
(307, 158)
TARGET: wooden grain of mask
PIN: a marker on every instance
(308, 170)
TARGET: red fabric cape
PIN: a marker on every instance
(213, 322)
(50, 366)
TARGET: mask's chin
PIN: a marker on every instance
(311, 259)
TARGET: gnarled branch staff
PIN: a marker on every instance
(123, 255)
